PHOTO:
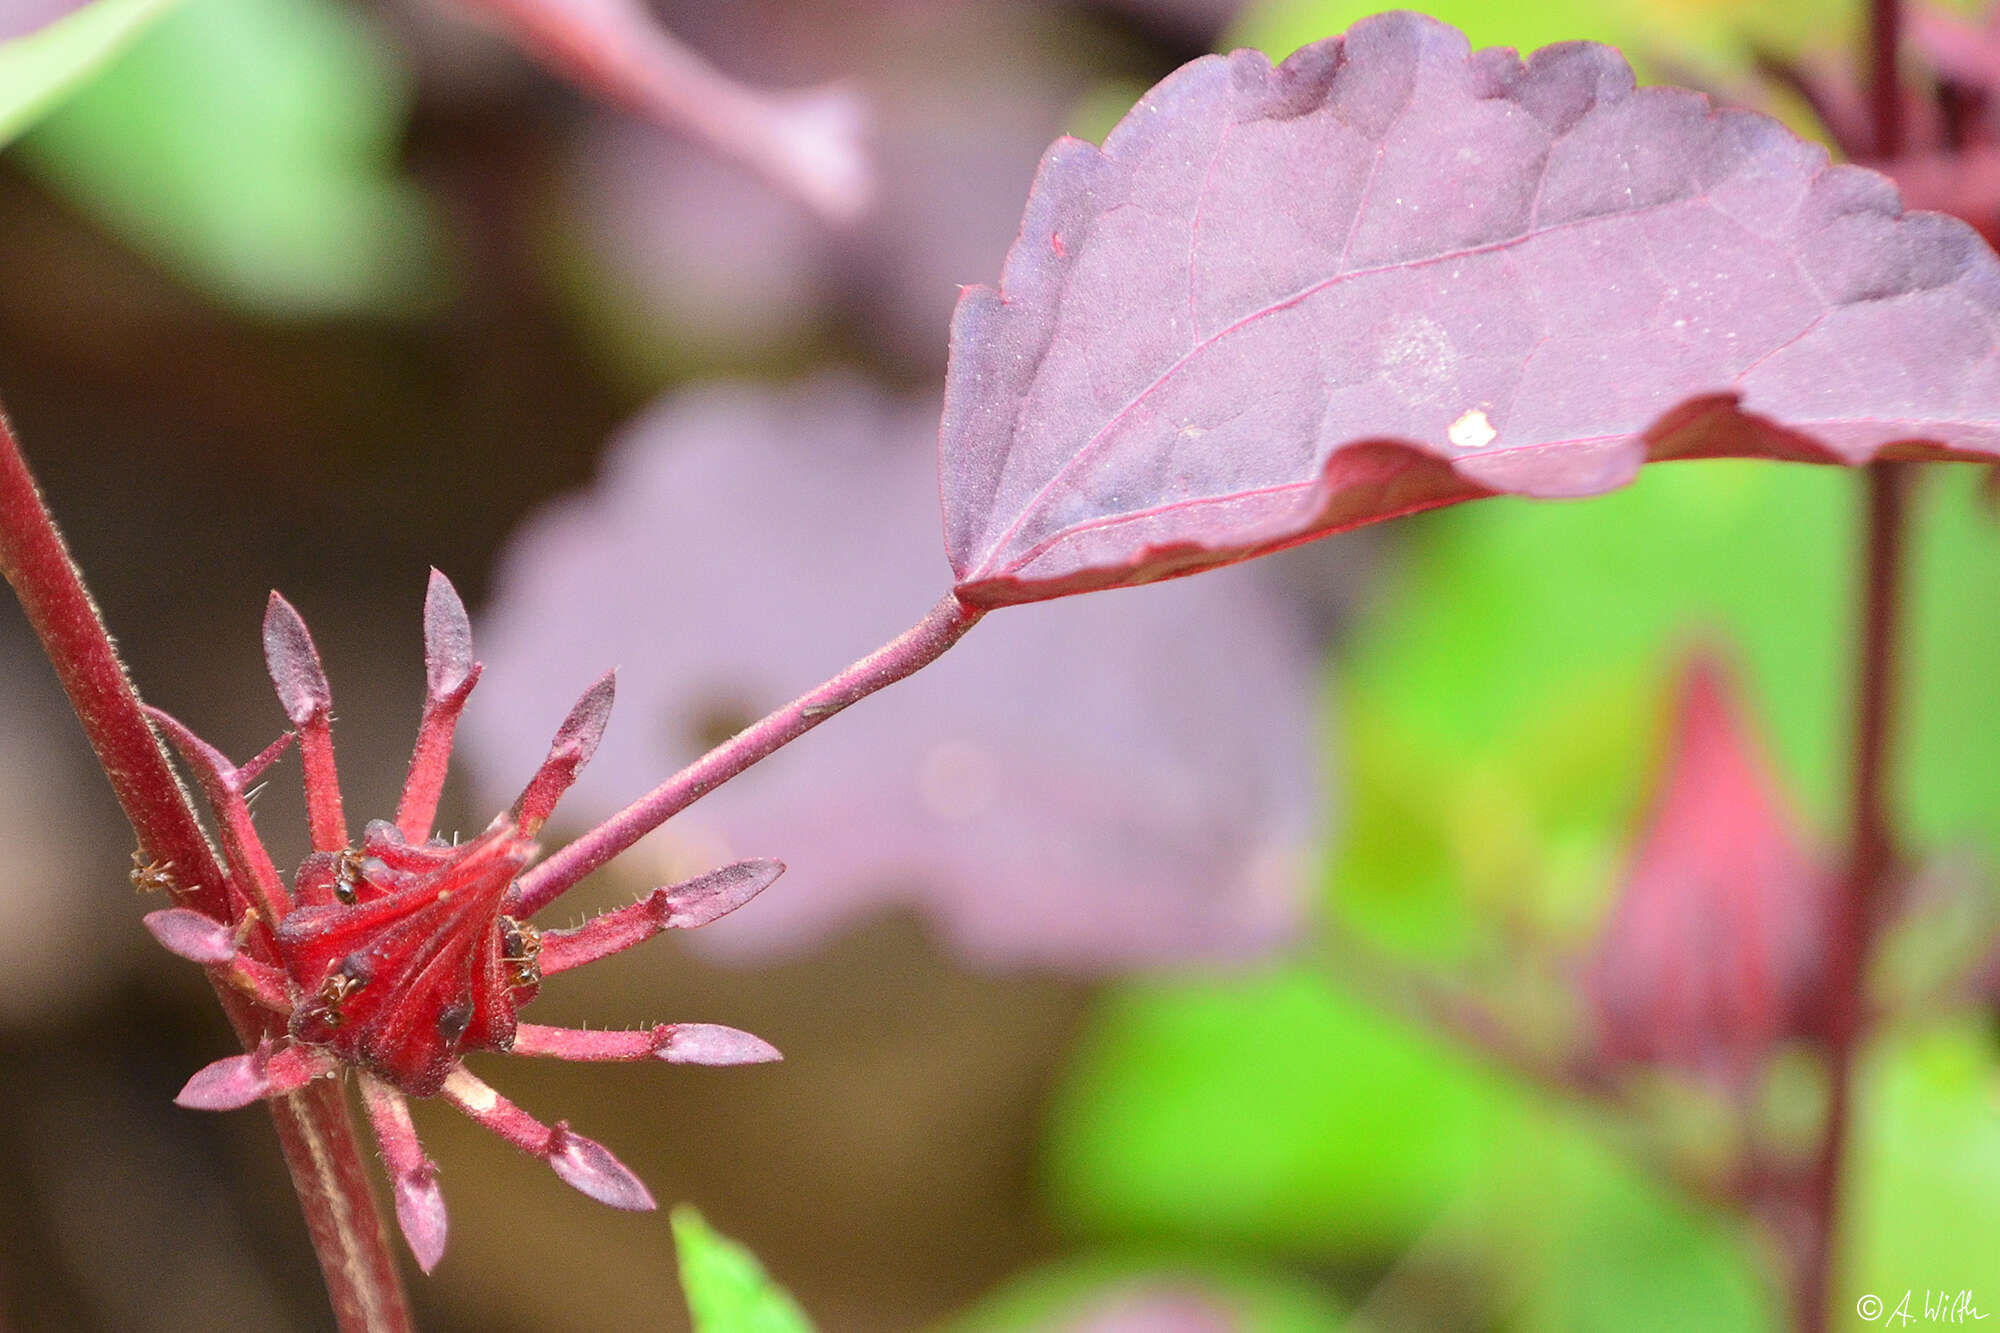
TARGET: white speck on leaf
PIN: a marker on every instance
(1472, 431)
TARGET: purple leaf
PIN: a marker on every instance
(1091, 785)
(1389, 275)
(1714, 950)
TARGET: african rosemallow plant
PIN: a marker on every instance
(1386, 275)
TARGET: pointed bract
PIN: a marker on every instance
(449, 675)
(711, 896)
(224, 1085)
(676, 1043)
(197, 938)
(420, 1212)
(254, 879)
(448, 664)
(576, 741)
(714, 1044)
(294, 664)
(683, 906)
(238, 1080)
(588, 1167)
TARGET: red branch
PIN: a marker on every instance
(916, 647)
(313, 1126)
(1871, 865)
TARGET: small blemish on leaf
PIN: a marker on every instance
(1472, 431)
(1417, 353)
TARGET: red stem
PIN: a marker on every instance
(1870, 867)
(916, 647)
(313, 1125)
(1885, 90)
(1872, 853)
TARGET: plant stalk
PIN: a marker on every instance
(1871, 855)
(1885, 89)
(916, 647)
(1864, 887)
(314, 1129)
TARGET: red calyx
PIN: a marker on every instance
(421, 965)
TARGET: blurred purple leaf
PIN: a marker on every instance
(1090, 785)
(965, 115)
(965, 98)
(1713, 952)
(651, 214)
(18, 18)
(808, 142)
(1391, 274)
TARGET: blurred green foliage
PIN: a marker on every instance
(1283, 1116)
(1926, 1170)
(727, 1289)
(38, 70)
(1504, 698)
(1710, 35)
(1503, 703)
(249, 147)
(1058, 1295)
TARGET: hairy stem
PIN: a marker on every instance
(916, 647)
(313, 1125)
(1871, 863)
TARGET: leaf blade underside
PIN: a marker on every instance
(1391, 273)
